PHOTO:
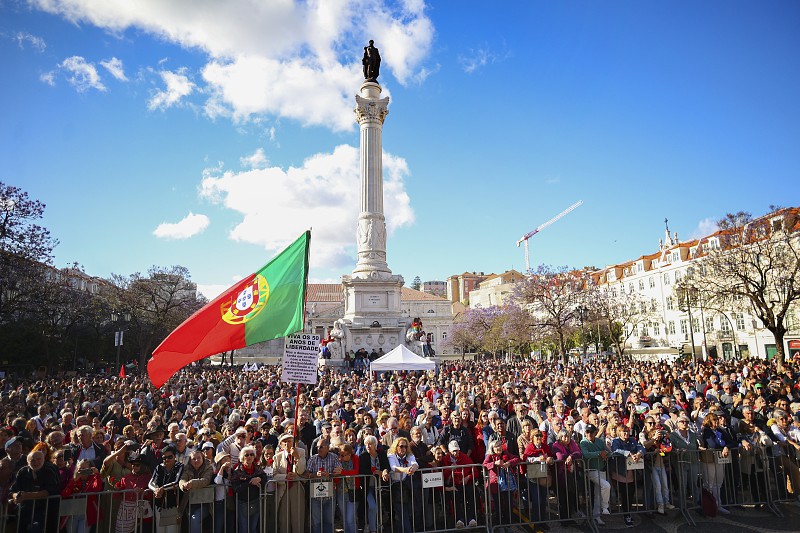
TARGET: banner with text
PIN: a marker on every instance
(300, 359)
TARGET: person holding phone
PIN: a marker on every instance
(85, 481)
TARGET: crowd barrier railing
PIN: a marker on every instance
(439, 499)
(536, 492)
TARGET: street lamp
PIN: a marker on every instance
(583, 314)
(687, 295)
(120, 318)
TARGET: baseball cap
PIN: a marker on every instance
(591, 428)
(453, 446)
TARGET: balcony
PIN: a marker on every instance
(725, 335)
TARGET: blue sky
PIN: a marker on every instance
(211, 134)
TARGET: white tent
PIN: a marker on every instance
(401, 358)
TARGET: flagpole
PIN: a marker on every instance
(296, 411)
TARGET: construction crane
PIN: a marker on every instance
(527, 236)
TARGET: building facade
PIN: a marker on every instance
(495, 289)
(652, 279)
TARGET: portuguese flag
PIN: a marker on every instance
(263, 306)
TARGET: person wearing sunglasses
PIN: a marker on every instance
(164, 482)
(402, 464)
(247, 480)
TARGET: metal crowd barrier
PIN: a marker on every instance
(537, 493)
(437, 499)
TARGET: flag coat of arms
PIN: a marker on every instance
(265, 305)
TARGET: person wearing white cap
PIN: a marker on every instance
(464, 483)
(289, 464)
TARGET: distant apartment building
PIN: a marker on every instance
(460, 285)
(437, 288)
(724, 333)
(495, 289)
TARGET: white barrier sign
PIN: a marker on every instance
(321, 489)
(300, 356)
(432, 480)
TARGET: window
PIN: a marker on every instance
(739, 318)
(724, 325)
(653, 305)
(672, 327)
(614, 292)
(656, 328)
(696, 325)
(690, 272)
(444, 335)
(684, 326)
(645, 332)
(670, 303)
(666, 278)
(641, 284)
(709, 325)
(643, 307)
(678, 276)
(652, 281)
(630, 287)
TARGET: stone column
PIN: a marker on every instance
(370, 111)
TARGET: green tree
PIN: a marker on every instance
(416, 284)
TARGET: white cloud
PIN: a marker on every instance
(277, 205)
(255, 160)
(705, 227)
(478, 58)
(190, 226)
(178, 85)
(114, 67)
(26, 39)
(211, 290)
(81, 74)
(49, 78)
(302, 57)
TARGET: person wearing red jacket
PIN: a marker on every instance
(86, 480)
(503, 481)
(536, 451)
(463, 479)
(348, 486)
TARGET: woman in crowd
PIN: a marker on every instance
(402, 466)
(133, 514)
(85, 481)
(538, 451)
(625, 449)
(164, 484)
(463, 482)
(567, 454)
(656, 442)
(686, 444)
(348, 486)
(503, 481)
(752, 452)
(247, 478)
(713, 446)
(372, 462)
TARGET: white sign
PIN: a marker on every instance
(321, 489)
(300, 356)
(722, 460)
(536, 470)
(432, 480)
(634, 465)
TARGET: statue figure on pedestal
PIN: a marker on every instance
(371, 62)
(341, 339)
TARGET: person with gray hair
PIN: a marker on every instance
(785, 447)
(34, 483)
(86, 448)
(372, 462)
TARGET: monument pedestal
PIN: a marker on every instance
(372, 312)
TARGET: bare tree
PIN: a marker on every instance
(619, 314)
(756, 265)
(552, 296)
(157, 303)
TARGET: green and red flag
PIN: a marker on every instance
(265, 305)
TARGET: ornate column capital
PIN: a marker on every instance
(369, 109)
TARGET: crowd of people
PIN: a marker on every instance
(255, 444)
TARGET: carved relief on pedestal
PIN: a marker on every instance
(371, 234)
